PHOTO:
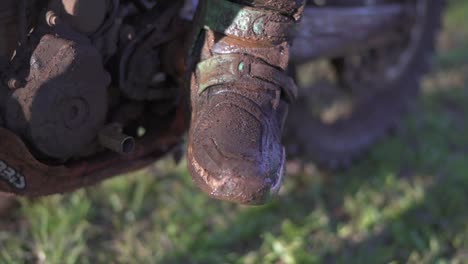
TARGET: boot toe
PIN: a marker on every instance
(235, 155)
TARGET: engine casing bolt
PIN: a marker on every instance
(51, 18)
(14, 84)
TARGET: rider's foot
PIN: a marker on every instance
(240, 95)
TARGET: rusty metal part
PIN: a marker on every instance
(111, 137)
(64, 102)
(381, 101)
(84, 16)
(41, 179)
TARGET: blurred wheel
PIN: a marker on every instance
(354, 101)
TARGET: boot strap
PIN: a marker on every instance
(230, 68)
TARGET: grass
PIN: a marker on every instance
(404, 203)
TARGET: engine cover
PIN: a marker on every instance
(64, 102)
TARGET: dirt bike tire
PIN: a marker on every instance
(337, 145)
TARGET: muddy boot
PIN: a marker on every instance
(240, 95)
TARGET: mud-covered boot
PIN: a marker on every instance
(240, 94)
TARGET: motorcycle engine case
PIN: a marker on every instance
(59, 105)
(64, 102)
